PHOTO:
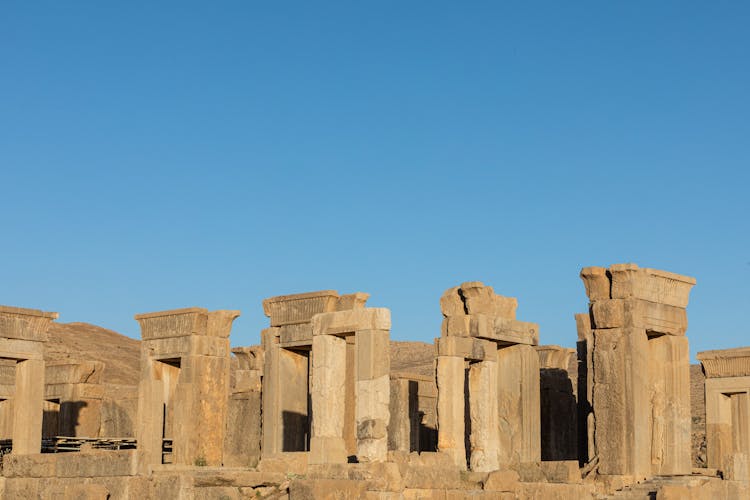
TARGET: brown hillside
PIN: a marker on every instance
(85, 342)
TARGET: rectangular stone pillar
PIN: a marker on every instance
(451, 408)
(400, 426)
(671, 423)
(27, 406)
(518, 405)
(484, 438)
(621, 399)
(328, 394)
(372, 394)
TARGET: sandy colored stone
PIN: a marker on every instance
(326, 489)
(622, 402)
(662, 287)
(502, 480)
(451, 407)
(25, 324)
(328, 398)
(300, 307)
(597, 283)
(481, 299)
(518, 405)
(636, 313)
(467, 348)
(726, 362)
(343, 322)
(355, 300)
(669, 367)
(484, 437)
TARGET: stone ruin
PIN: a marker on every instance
(315, 411)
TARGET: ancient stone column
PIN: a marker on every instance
(451, 408)
(519, 406)
(23, 333)
(728, 411)
(372, 394)
(485, 437)
(184, 385)
(328, 400)
(638, 353)
(242, 439)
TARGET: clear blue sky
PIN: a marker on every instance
(158, 155)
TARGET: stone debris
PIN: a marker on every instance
(315, 411)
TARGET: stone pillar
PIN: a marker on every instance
(328, 394)
(519, 406)
(184, 386)
(728, 411)
(372, 394)
(640, 379)
(669, 372)
(586, 416)
(403, 404)
(23, 333)
(451, 408)
(485, 438)
(559, 412)
(243, 427)
(621, 402)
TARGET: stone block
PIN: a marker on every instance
(25, 324)
(373, 354)
(186, 322)
(562, 471)
(247, 380)
(32, 465)
(662, 287)
(552, 491)
(326, 489)
(243, 430)
(355, 300)
(343, 322)
(250, 358)
(636, 313)
(726, 362)
(298, 332)
(97, 464)
(73, 373)
(467, 348)
(502, 480)
(481, 299)
(86, 492)
(300, 307)
(597, 283)
(294, 463)
(21, 349)
(424, 494)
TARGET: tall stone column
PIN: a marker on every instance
(451, 409)
(328, 396)
(372, 394)
(641, 400)
(519, 406)
(485, 432)
(23, 333)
